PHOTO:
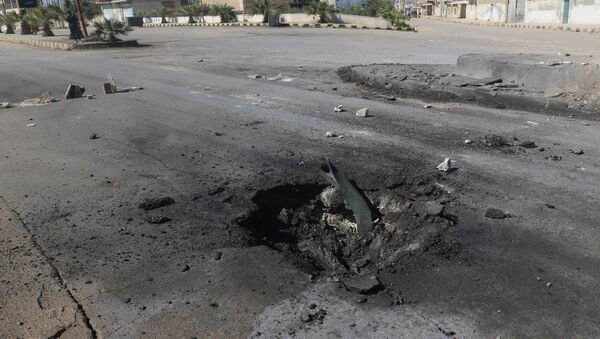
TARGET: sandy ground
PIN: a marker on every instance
(205, 135)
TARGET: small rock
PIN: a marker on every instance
(578, 151)
(200, 60)
(433, 207)
(494, 140)
(363, 113)
(330, 134)
(332, 198)
(186, 268)
(94, 136)
(427, 106)
(255, 76)
(338, 108)
(154, 219)
(528, 144)
(538, 278)
(445, 166)
(217, 255)
(74, 91)
(312, 306)
(156, 203)
(306, 317)
(31, 125)
(495, 213)
(549, 284)
(362, 284)
(4, 104)
(468, 141)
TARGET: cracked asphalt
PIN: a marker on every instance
(80, 260)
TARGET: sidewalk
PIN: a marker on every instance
(549, 26)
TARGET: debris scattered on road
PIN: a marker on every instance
(427, 106)
(156, 203)
(154, 219)
(5, 104)
(362, 284)
(533, 123)
(338, 108)
(495, 213)
(255, 76)
(91, 96)
(74, 92)
(352, 196)
(330, 134)
(528, 144)
(468, 141)
(217, 255)
(548, 284)
(577, 151)
(363, 113)
(445, 166)
(110, 87)
(494, 140)
(307, 316)
(94, 136)
(45, 98)
(186, 268)
(31, 125)
(200, 60)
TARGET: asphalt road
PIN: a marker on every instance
(78, 248)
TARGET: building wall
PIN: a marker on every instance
(492, 10)
(516, 11)
(585, 12)
(543, 11)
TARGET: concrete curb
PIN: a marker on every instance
(18, 39)
(551, 27)
(65, 46)
(306, 25)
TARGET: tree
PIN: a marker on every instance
(322, 9)
(9, 20)
(163, 13)
(224, 11)
(191, 12)
(43, 17)
(394, 17)
(266, 8)
(110, 29)
(90, 10)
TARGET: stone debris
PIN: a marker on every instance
(468, 141)
(200, 60)
(217, 255)
(31, 125)
(110, 87)
(154, 219)
(528, 144)
(94, 136)
(308, 316)
(255, 76)
(5, 104)
(445, 166)
(427, 106)
(363, 113)
(74, 92)
(577, 151)
(91, 96)
(156, 203)
(495, 213)
(45, 98)
(362, 284)
(330, 134)
(494, 140)
(338, 108)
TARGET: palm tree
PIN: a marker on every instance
(266, 8)
(43, 17)
(61, 12)
(322, 9)
(110, 29)
(2, 20)
(23, 17)
(224, 11)
(191, 12)
(9, 20)
(163, 13)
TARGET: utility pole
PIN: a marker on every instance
(83, 26)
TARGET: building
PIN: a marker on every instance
(580, 12)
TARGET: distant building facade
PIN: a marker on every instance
(582, 12)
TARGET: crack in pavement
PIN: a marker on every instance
(57, 274)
